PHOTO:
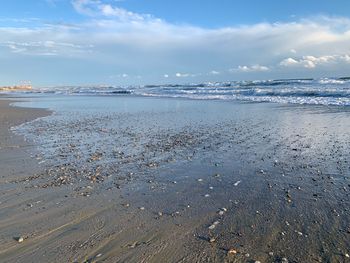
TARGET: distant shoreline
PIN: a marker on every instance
(15, 88)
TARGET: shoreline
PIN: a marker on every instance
(12, 146)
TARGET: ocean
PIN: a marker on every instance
(325, 91)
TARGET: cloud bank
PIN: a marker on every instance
(112, 41)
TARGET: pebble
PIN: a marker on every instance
(237, 183)
(271, 254)
(232, 251)
(200, 180)
(207, 195)
(211, 227)
(142, 208)
(20, 239)
(284, 260)
(212, 240)
(347, 255)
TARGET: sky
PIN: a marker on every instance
(132, 42)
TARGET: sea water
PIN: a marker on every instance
(326, 91)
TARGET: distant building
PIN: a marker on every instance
(15, 88)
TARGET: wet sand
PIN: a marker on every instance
(271, 188)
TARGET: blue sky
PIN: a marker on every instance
(121, 42)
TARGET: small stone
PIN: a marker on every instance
(257, 261)
(284, 260)
(212, 240)
(271, 254)
(207, 195)
(20, 239)
(211, 227)
(142, 208)
(232, 251)
(200, 180)
(160, 213)
(99, 255)
(237, 183)
(347, 255)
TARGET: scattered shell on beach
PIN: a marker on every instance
(222, 211)
(212, 226)
(232, 251)
(237, 183)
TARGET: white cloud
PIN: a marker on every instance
(312, 62)
(214, 72)
(254, 68)
(289, 62)
(182, 75)
(98, 8)
(45, 48)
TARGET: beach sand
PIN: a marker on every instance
(243, 189)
